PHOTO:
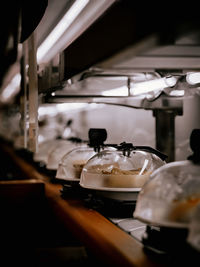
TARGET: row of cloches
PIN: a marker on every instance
(166, 195)
(121, 168)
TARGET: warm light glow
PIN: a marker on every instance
(152, 85)
(177, 93)
(121, 91)
(193, 78)
(60, 28)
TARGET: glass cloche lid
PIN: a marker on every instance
(59, 151)
(125, 168)
(45, 148)
(172, 194)
(71, 164)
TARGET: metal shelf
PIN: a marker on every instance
(163, 102)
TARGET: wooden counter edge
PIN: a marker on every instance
(101, 236)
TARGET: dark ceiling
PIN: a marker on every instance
(124, 24)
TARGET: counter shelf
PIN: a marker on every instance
(104, 236)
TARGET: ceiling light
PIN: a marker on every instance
(193, 78)
(60, 28)
(121, 91)
(152, 85)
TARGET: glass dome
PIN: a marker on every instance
(58, 152)
(119, 170)
(71, 164)
(171, 195)
(44, 149)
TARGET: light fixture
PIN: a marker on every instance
(121, 91)
(76, 20)
(60, 28)
(145, 87)
(193, 78)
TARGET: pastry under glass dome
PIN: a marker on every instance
(125, 169)
(71, 164)
(172, 194)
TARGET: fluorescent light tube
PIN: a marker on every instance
(193, 78)
(152, 85)
(121, 91)
(60, 28)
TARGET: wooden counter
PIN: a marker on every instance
(101, 236)
(105, 240)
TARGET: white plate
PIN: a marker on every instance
(122, 194)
